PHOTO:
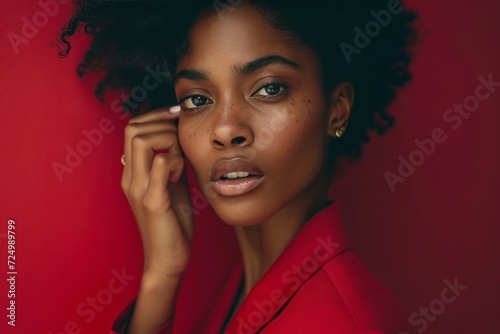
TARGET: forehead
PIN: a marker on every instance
(236, 35)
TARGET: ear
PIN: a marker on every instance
(341, 101)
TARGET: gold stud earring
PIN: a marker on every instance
(339, 132)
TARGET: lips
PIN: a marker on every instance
(248, 176)
(226, 166)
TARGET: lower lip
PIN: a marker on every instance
(236, 187)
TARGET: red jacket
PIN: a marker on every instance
(317, 285)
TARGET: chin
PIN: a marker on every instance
(239, 212)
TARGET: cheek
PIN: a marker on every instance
(300, 144)
(184, 135)
(189, 140)
(194, 150)
(297, 121)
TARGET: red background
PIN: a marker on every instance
(441, 223)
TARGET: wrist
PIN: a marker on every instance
(153, 279)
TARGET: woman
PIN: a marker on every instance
(264, 107)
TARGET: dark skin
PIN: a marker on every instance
(239, 79)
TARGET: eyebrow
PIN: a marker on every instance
(242, 70)
(260, 63)
(193, 75)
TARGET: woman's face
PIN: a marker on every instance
(249, 92)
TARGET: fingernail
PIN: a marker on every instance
(175, 109)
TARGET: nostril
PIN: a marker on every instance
(238, 140)
(218, 142)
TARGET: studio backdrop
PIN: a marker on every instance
(421, 206)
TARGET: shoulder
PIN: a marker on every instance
(342, 295)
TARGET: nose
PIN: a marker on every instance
(231, 127)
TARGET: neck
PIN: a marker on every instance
(263, 243)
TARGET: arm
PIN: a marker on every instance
(155, 190)
(154, 305)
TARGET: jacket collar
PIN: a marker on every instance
(319, 240)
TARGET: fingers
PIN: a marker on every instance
(159, 122)
(145, 134)
(147, 180)
(142, 153)
(165, 168)
(167, 113)
(138, 137)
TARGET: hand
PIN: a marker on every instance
(156, 188)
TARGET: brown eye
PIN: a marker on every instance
(199, 100)
(194, 101)
(270, 90)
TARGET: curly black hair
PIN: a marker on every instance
(364, 42)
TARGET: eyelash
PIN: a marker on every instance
(274, 97)
(282, 85)
(184, 109)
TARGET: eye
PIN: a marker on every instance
(194, 102)
(271, 90)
